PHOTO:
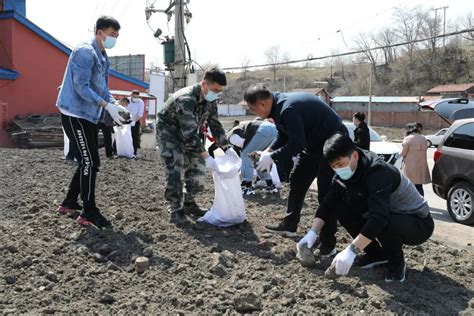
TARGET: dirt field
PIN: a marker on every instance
(48, 264)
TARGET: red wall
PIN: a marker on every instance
(400, 119)
(41, 66)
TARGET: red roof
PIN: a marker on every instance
(452, 88)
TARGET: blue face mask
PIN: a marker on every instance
(109, 42)
(345, 173)
(211, 96)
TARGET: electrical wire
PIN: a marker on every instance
(349, 53)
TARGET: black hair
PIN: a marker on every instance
(256, 93)
(136, 92)
(419, 126)
(338, 146)
(411, 128)
(215, 75)
(104, 22)
(236, 122)
(125, 99)
(360, 116)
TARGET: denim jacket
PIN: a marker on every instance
(85, 82)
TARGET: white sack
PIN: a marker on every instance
(228, 208)
(123, 141)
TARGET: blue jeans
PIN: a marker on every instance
(263, 138)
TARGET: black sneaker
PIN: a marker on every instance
(282, 229)
(327, 251)
(193, 208)
(270, 189)
(367, 261)
(396, 272)
(88, 218)
(248, 191)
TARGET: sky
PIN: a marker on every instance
(225, 32)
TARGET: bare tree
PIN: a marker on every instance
(274, 55)
(468, 23)
(366, 43)
(408, 28)
(385, 38)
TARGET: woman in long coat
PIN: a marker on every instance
(415, 164)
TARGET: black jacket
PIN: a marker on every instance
(362, 136)
(304, 122)
(376, 189)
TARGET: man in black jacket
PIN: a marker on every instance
(361, 132)
(378, 206)
(304, 122)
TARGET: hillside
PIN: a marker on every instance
(454, 64)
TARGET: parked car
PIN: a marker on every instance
(388, 151)
(437, 138)
(453, 172)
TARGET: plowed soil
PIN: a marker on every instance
(48, 264)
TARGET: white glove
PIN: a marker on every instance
(343, 261)
(114, 110)
(265, 162)
(211, 163)
(309, 239)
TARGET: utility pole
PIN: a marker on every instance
(176, 47)
(179, 48)
(444, 21)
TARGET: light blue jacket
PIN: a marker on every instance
(85, 82)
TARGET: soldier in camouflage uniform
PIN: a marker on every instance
(181, 149)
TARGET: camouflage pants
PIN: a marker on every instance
(178, 164)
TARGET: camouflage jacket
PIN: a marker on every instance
(182, 116)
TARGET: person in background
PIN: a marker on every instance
(250, 136)
(303, 122)
(377, 205)
(83, 98)
(415, 164)
(361, 132)
(136, 109)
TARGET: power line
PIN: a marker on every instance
(349, 53)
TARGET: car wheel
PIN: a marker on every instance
(430, 143)
(460, 198)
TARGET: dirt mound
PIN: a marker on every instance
(49, 264)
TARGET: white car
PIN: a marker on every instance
(436, 139)
(388, 151)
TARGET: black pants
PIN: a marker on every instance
(107, 132)
(400, 230)
(136, 136)
(308, 167)
(84, 134)
(419, 188)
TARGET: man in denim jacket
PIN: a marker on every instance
(83, 97)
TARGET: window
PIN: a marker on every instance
(462, 137)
